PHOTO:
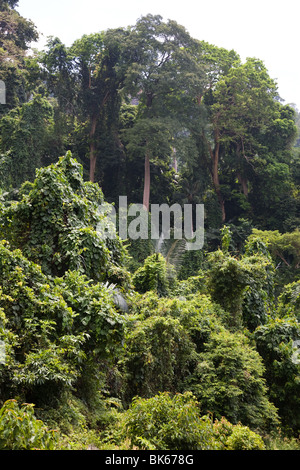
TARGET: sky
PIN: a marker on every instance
(264, 29)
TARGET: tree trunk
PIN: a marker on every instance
(93, 156)
(94, 121)
(219, 196)
(215, 154)
(243, 182)
(242, 179)
(146, 198)
(213, 167)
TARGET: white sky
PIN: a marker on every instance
(265, 29)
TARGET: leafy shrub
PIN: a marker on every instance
(196, 313)
(49, 328)
(259, 295)
(57, 223)
(167, 422)
(173, 422)
(180, 345)
(95, 312)
(20, 430)
(152, 276)
(157, 355)
(282, 246)
(228, 381)
(236, 437)
(34, 318)
(289, 300)
(191, 285)
(275, 342)
(237, 283)
(242, 438)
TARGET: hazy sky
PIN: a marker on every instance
(265, 29)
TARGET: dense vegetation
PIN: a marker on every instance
(141, 343)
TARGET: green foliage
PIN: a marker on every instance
(180, 345)
(157, 356)
(50, 327)
(20, 430)
(214, 329)
(152, 275)
(226, 238)
(242, 438)
(189, 286)
(191, 264)
(139, 250)
(26, 135)
(95, 313)
(237, 282)
(16, 35)
(161, 340)
(228, 381)
(259, 296)
(236, 437)
(156, 74)
(285, 252)
(58, 225)
(167, 422)
(275, 344)
(174, 422)
(289, 300)
(284, 247)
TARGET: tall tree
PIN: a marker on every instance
(57, 65)
(16, 35)
(207, 65)
(244, 101)
(99, 76)
(26, 139)
(242, 109)
(159, 54)
(86, 79)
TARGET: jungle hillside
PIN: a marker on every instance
(120, 344)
